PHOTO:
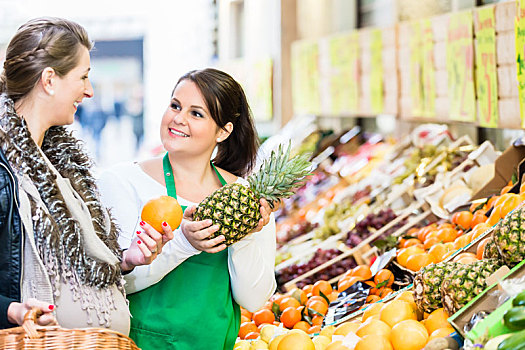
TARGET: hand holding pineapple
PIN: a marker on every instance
(200, 233)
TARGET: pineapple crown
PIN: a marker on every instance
(279, 175)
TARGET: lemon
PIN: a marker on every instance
(242, 345)
(258, 344)
(328, 331)
(321, 342)
(275, 341)
(267, 332)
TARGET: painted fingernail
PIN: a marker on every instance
(139, 242)
(142, 223)
(164, 223)
(51, 307)
(139, 232)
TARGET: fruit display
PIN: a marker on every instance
(371, 223)
(235, 207)
(321, 256)
(358, 210)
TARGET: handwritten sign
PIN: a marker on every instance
(416, 92)
(460, 67)
(305, 77)
(376, 73)
(261, 89)
(344, 73)
(520, 55)
(428, 75)
(486, 77)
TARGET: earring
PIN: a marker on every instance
(51, 92)
(219, 139)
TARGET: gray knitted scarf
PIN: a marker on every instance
(57, 234)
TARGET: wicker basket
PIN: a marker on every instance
(31, 336)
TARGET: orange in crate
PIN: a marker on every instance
(287, 302)
(384, 278)
(322, 286)
(481, 248)
(418, 261)
(290, 317)
(246, 328)
(163, 208)
(362, 271)
(263, 316)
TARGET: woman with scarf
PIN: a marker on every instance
(58, 249)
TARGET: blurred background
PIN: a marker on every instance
(141, 48)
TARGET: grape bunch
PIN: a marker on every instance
(370, 224)
(365, 192)
(295, 231)
(320, 257)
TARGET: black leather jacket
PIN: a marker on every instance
(10, 240)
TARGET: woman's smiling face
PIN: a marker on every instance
(187, 124)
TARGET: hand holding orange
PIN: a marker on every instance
(162, 209)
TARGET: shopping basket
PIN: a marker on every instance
(31, 336)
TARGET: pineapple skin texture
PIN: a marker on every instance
(465, 283)
(509, 236)
(234, 207)
(427, 285)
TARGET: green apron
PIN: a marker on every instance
(192, 307)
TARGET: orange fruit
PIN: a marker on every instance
(409, 335)
(447, 234)
(372, 299)
(397, 311)
(347, 327)
(438, 251)
(302, 325)
(322, 287)
(384, 291)
(404, 253)
(316, 298)
(296, 341)
(290, 317)
(441, 333)
(333, 297)
(479, 230)
(348, 282)
(314, 329)
(252, 335)
(505, 189)
(373, 342)
(308, 288)
(437, 319)
(373, 290)
(408, 296)
(299, 294)
(410, 242)
(162, 209)
(478, 218)
(376, 327)
(371, 310)
(287, 302)
(481, 248)
(246, 313)
(362, 271)
(319, 306)
(431, 241)
(244, 319)
(464, 219)
(384, 278)
(317, 320)
(263, 316)
(417, 261)
(461, 241)
(491, 201)
(246, 328)
(494, 216)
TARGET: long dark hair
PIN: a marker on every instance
(38, 44)
(227, 102)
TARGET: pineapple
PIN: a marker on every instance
(427, 284)
(235, 207)
(465, 282)
(509, 237)
(491, 250)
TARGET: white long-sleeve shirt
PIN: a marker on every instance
(125, 188)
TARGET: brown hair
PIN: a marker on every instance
(38, 44)
(227, 102)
